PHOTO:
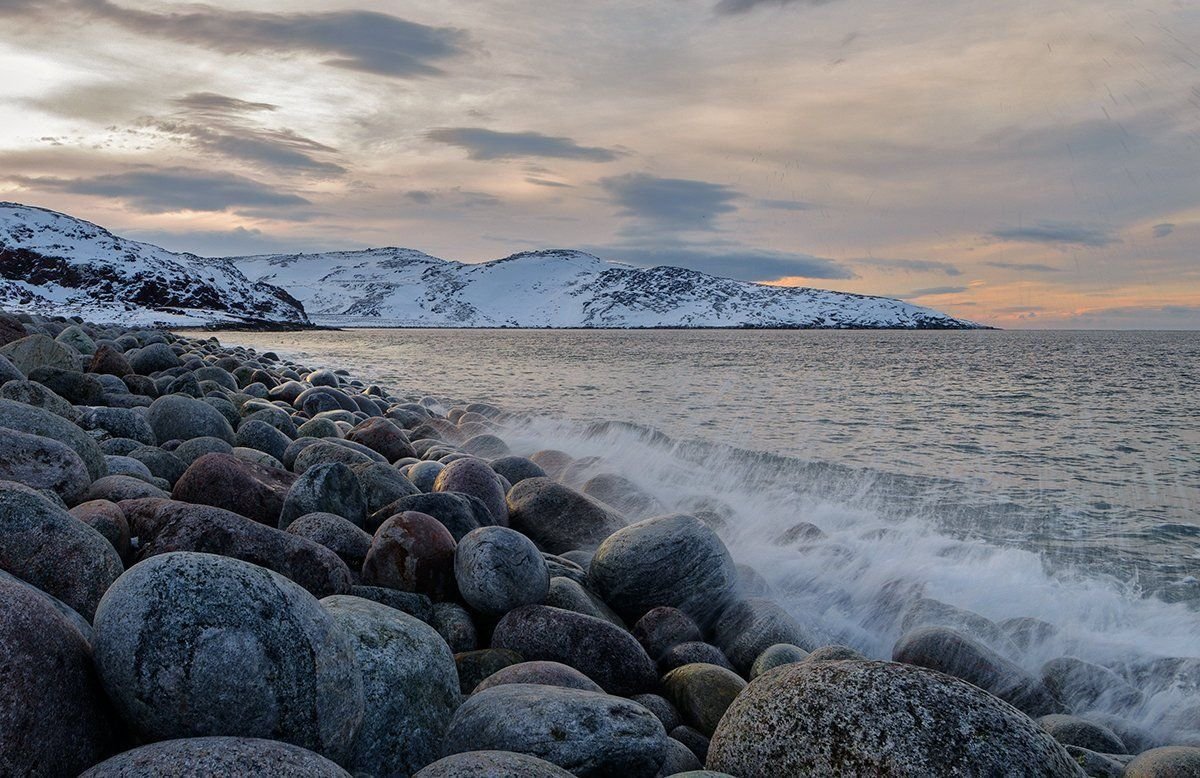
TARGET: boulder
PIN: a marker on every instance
(152, 359)
(412, 552)
(410, 687)
(382, 436)
(338, 535)
(750, 626)
(585, 733)
(118, 422)
(42, 463)
(108, 361)
(926, 612)
(328, 488)
(116, 488)
(424, 474)
(176, 417)
(473, 476)
(33, 393)
(190, 645)
(382, 485)
(832, 654)
(457, 512)
(1074, 731)
(34, 351)
(261, 436)
(498, 569)
(328, 451)
(36, 421)
(559, 518)
(1166, 762)
(456, 627)
(218, 757)
(663, 627)
(485, 445)
(567, 594)
(780, 654)
(109, 520)
(607, 654)
(692, 652)
(161, 464)
(702, 693)
(829, 718)
(542, 673)
(234, 484)
(516, 469)
(475, 666)
(493, 764)
(1084, 686)
(73, 386)
(190, 450)
(413, 604)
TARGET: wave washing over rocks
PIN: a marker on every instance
(216, 561)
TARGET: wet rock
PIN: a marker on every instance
(108, 519)
(329, 488)
(175, 417)
(383, 436)
(218, 757)
(475, 666)
(517, 469)
(49, 548)
(382, 485)
(153, 358)
(1027, 632)
(412, 552)
(455, 626)
(660, 707)
(261, 436)
(498, 569)
(692, 652)
(828, 718)
(663, 627)
(776, 655)
(832, 654)
(457, 512)
(552, 461)
(1074, 731)
(338, 535)
(952, 653)
(926, 612)
(1084, 686)
(117, 488)
(569, 595)
(1096, 765)
(623, 495)
(161, 464)
(424, 474)
(73, 386)
(748, 627)
(188, 645)
(410, 687)
(179, 526)
(702, 693)
(1166, 762)
(676, 561)
(486, 446)
(607, 654)
(36, 421)
(542, 673)
(54, 719)
(328, 451)
(34, 351)
(229, 482)
(586, 733)
(559, 518)
(42, 463)
(473, 477)
(493, 764)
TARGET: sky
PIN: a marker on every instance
(1018, 163)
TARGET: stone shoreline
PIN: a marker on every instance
(215, 561)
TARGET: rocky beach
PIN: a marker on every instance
(215, 561)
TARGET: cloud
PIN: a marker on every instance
(744, 264)
(544, 182)
(165, 190)
(1163, 230)
(454, 197)
(240, 241)
(785, 205)
(365, 41)
(676, 203)
(1057, 233)
(933, 291)
(1029, 267)
(213, 103)
(484, 144)
(909, 265)
(732, 7)
(1149, 317)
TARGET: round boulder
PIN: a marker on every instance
(176, 417)
(492, 764)
(218, 757)
(702, 693)
(1166, 762)
(557, 517)
(42, 463)
(412, 552)
(542, 673)
(498, 569)
(473, 476)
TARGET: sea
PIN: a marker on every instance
(1050, 474)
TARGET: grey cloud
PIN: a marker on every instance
(678, 203)
(455, 197)
(484, 144)
(1068, 233)
(1152, 317)
(786, 205)
(213, 103)
(732, 7)
(909, 265)
(933, 291)
(162, 190)
(239, 241)
(544, 182)
(356, 40)
(1031, 309)
(744, 264)
(1163, 230)
(1031, 267)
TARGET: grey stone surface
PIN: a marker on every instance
(36, 421)
(498, 569)
(474, 477)
(176, 417)
(702, 693)
(42, 463)
(492, 764)
(559, 518)
(218, 757)
(542, 673)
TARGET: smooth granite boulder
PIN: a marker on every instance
(73, 386)
(1074, 731)
(382, 485)
(828, 654)
(176, 417)
(476, 666)
(412, 552)
(1166, 762)
(109, 361)
(118, 422)
(567, 594)
(34, 351)
(693, 652)
(1084, 686)
(417, 605)
(780, 654)
(750, 626)
(383, 436)
(474, 477)
(516, 469)
(117, 488)
(261, 436)
(54, 719)
(585, 733)
(557, 517)
(37, 421)
(492, 764)
(607, 654)
(498, 569)
(927, 612)
(218, 757)
(338, 535)
(42, 463)
(109, 520)
(410, 687)
(33, 393)
(459, 513)
(702, 693)
(829, 718)
(153, 358)
(234, 484)
(49, 548)
(663, 627)
(542, 673)
(456, 627)
(162, 464)
(191, 645)
(327, 488)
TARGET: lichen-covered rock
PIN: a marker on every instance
(557, 517)
(42, 463)
(410, 687)
(218, 757)
(176, 417)
(34, 351)
(702, 693)
(828, 718)
(229, 482)
(492, 764)
(542, 673)
(607, 654)
(585, 733)
(191, 645)
(46, 546)
(498, 569)
(54, 719)
(37, 421)
(414, 553)
(328, 488)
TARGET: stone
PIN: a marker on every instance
(516, 469)
(694, 739)
(750, 626)
(328, 488)
(543, 673)
(492, 764)
(189, 645)
(1074, 731)
(36, 421)
(338, 535)
(607, 654)
(473, 476)
(1084, 686)
(776, 655)
(926, 612)
(559, 518)
(11, 329)
(424, 475)
(456, 627)
(42, 463)
(485, 445)
(382, 485)
(560, 567)
(180, 526)
(585, 733)
(153, 358)
(569, 595)
(412, 552)
(622, 494)
(475, 666)
(176, 417)
(949, 652)
(191, 450)
(829, 718)
(261, 436)
(218, 757)
(457, 512)
(413, 604)
(109, 520)
(328, 451)
(33, 393)
(74, 337)
(702, 693)
(410, 687)
(34, 351)
(1096, 765)
(1027, 632)
(229, 482)
(109, 361)
(383, 436)
(116, 488)
(498, 569)
(162, 464)
(118, 422)
(54, 719)
(9, 372)
(49, 548)
(832, 654)
(1166, 762)
(129, 466)
(680, 759)
(663, 627)
(692, 652)
(73, 386)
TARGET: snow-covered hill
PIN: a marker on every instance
(51, 263)
(558, 288)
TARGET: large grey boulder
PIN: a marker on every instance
(43, 544)
(492, 764)
(702, 693)
(410, 687)
(1074, 731)
(218, 757)
(230, 482)
(37, 421)
(1165, 762)
(927, 612)
(586, 733)
(498, 569)
(829, 718)
(177, 417)
(336, 534)
(328, 488)
(541, 673)
(557, 517)
(750, 626)
(191, 645)
(39, 396)
(34, 351)
(42, 463)
(54, 719)
(474, 477)
(153, 358)
(118, 422)
(676, 561)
